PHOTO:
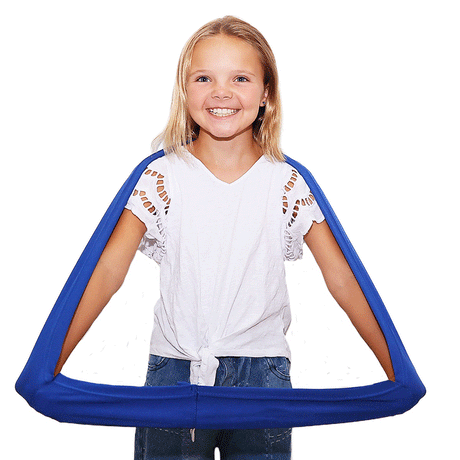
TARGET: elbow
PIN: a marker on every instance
(112, 278)
(115, 281)
(340, 283)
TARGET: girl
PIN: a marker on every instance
(220, 212)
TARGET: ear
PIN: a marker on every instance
(263, 102)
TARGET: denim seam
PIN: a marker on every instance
(226, 373)
(280, 437)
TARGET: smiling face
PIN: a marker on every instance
(225, 87)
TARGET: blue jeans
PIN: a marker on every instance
(257, 444)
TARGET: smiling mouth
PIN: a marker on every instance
(222, 112)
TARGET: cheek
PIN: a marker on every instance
(253, 99)
(194, 98)
(193, 109)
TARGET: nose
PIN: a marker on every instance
(221, 92)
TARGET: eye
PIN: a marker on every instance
(203, 79)
(241, 79)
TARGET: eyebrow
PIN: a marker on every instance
(210, 71)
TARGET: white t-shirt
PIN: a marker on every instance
(221, 249)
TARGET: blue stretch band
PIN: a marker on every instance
(192, 406)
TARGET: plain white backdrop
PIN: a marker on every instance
(370, 105)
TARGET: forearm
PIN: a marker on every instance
(349, 296)
(346, 291)
(98, 292)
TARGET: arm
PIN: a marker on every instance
(106, 279)
(343, 286)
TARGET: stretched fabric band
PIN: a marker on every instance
(193, 406)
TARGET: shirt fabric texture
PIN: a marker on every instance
(221, 249)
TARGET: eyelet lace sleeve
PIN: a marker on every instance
(150, 203)
(300, 210)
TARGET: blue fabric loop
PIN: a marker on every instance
(192, 406)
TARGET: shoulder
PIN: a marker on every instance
(152, 189)
(287, 176)
(159, 164)
(161, 171)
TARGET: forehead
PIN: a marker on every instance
(226, 53)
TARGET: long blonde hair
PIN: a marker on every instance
(181, 129)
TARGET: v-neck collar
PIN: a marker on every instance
(229, 184)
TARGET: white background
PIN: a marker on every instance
(371, 106)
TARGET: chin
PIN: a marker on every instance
(225, 135)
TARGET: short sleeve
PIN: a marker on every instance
(150, 203)
(300, 210)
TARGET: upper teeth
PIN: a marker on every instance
(223, 112)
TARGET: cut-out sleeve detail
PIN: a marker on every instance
(150, 203)
(300, 210)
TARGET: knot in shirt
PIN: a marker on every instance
(203, 372)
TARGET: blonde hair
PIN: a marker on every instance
(181, 129)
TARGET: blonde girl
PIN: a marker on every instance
(220, 212)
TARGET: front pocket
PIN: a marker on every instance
(280, 366)
(157, 362)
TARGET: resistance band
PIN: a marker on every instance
(192, 406)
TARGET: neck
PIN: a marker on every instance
(231, 152)
(227, 159)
